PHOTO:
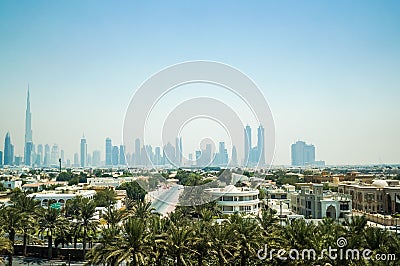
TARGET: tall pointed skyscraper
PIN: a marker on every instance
(234, 160)
(261, 145)
(83, 151)
(247, 145)
(28, 131)
(8, 150)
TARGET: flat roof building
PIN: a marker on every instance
(236, 199)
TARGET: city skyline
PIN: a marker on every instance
(329, 72)
(143, 155)
(118, 157)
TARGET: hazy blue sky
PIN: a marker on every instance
(330, 70)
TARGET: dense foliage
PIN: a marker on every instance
(189, 236)
(134, 191)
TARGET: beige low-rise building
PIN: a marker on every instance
(382, 196)
(315, 203)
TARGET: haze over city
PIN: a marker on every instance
(329, 73)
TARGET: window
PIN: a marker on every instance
(227, 208)
(245, 208)
(344, 207)
(227, 198)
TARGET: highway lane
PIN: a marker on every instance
(167, 200)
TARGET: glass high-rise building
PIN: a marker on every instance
(138, 159)
(8, 150)
(83, 152)
(247, 145)
(47, 158)
(254, 155)
(115, 155)
(96, 158)
(222, 158)
(234, 160)
(55, 154)
(108, 152)
(76, 159)
(178, 150)
(157, 156)
(261, 146)
(39, 155)
(302, 154)
(28, 132)
(28, 153)
(122, 157)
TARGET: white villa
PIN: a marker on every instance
(236, 199)
(62, 195)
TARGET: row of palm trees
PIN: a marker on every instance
(141, 237)
(26, 218)
(189, 236)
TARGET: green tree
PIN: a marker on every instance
(202, 241)
(10, 222)
(101, 253)
(133, 190)
(355, 230)
(179, 243)
(105, 198)
(51, 222)
(248, 237)
(130, 245)
(223, 244)
(5, 247)
(65, 176)
(113, 217)
(85, 222)
(30, 210)
(142, 210)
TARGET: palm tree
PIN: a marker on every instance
(157, 237)
(10, 222)
(100, 254)
(355, 230)
(222, 244)
(268, 220)
(179, 243)
(131, 245)
(64, 233)
(113, 216)
(299, 234)
(85, 221)
(202, 241)
(248, 235)
(30, 210)
(50, 223)
(5, 247)
(72, 207)
(380, 241)
(142, 209)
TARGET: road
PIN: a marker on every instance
(17, 261)
(165, 201)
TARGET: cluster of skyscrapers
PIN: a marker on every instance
(142, 155)
(303, 154)
(254, 155)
